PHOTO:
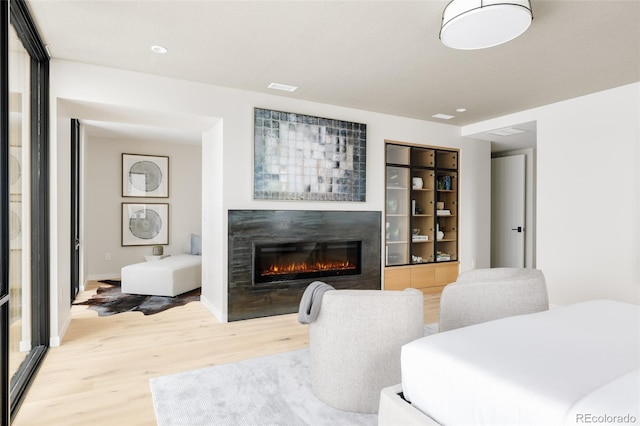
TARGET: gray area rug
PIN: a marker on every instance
(271, 390)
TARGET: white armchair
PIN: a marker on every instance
(482, 295)
(355, 344)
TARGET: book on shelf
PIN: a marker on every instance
(443, 212)
(441, 256)
(420, 238)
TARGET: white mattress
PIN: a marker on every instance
(537, 369)
(170, 276)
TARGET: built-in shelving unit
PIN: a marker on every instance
(421, 216)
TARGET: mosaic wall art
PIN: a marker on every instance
(300, 157)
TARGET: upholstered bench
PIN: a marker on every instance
(170, 276)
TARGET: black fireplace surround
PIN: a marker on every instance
(275, 254)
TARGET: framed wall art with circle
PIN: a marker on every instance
(145, 176)
(145, 224)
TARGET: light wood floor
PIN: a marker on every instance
(100, 374)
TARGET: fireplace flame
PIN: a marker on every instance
(305, 267)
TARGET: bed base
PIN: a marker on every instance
(395, 410)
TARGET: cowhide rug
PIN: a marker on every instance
(109, 300)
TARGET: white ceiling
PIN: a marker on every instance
(382, 56)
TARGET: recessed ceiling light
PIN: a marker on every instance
(285, 87)
(443, 116)
(461, 110)
(507, 131)
(159, 49)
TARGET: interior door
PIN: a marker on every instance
(508, 211)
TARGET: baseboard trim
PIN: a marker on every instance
(25, 345)
(115, 275)
(56, 341)
(215, 311)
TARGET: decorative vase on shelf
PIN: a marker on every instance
(392, 205)
(417, 183)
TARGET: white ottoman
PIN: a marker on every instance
(170, 276)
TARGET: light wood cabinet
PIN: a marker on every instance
(429, 278)
(421, 216)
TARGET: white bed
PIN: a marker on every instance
(547, 368)
(170, 276)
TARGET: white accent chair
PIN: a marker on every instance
(355, 344)
(482, 295)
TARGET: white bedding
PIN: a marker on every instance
(538, 369)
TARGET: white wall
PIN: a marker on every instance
(102, 198)
(227, 166)
(588, 194)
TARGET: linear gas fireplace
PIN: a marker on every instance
(275, 254)
(276, 262)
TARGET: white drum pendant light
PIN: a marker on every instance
(478, 24)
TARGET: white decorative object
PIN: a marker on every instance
(440, 235)
(156, 257)
(417, 183)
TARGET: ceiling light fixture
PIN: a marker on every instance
(285, 87)
(443, 116)
(507, 131)
(159, 49)
(478, 24)
(461, 110)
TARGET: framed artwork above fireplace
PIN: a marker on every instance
(301, 157)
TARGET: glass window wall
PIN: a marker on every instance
(24, 206)
(19, 266)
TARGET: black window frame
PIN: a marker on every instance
(14, 389)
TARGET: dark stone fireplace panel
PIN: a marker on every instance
(341, 248)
